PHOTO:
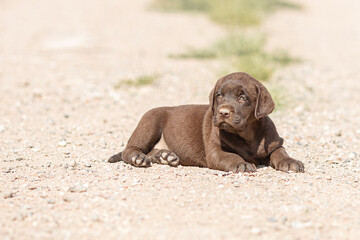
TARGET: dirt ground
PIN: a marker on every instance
(61, 118)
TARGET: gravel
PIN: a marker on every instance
(61, 118)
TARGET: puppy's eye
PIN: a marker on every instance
(218, 95)
(242, 98)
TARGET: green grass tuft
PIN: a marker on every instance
(245, 54)
(244, 12)
(195, 53)
(228, 12)
(183, 5)
(140, 81)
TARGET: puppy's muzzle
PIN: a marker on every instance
(225, 111)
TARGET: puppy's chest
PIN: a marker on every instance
(248, 151)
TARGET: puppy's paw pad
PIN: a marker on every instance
(140, 160)
(290, 164)
(167, 157)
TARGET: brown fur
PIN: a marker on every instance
(233, 133)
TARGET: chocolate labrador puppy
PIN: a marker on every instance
(233, 133)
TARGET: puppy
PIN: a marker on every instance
(233, 133)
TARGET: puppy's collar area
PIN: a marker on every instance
(248, 132)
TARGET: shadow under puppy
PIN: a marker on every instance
(233, 133)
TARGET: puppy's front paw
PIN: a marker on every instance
(290, 164)
(140, 160)
(244, 167)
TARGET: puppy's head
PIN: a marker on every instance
(237, 100)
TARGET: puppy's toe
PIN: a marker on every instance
(290, 164)
(173, 160)
(240, 168)
(250, 167)
(140, 160)
(245, 167)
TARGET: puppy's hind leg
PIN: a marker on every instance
(145, 136)
(164, 156)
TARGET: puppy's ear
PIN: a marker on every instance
(212, 99)
(264, 103)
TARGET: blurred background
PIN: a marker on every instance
(76, 76)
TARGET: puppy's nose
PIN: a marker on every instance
(224, 112)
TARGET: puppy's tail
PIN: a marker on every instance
(115, 158)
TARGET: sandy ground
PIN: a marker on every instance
(61, 118)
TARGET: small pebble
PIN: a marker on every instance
(78, 188)
(42, 174)
(256, 230)
(218, 173)
(43, 194)
(35, 149)
(272, 219)
(32, 187)
(9, 195)
(62, 143)
(67, 199)
(50, 121)
(96, 218)
(71, 163)
(8, 170)
(13, 179)
(239, 182)
(87, 164)
(27, 207)
(300, 224)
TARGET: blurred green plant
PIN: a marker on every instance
(246, 54)
(176, 5)
(243, 49)
(279, 95)
(140, 81)
(228, 12)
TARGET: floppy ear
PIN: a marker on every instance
(212, 99)
(264, 103)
